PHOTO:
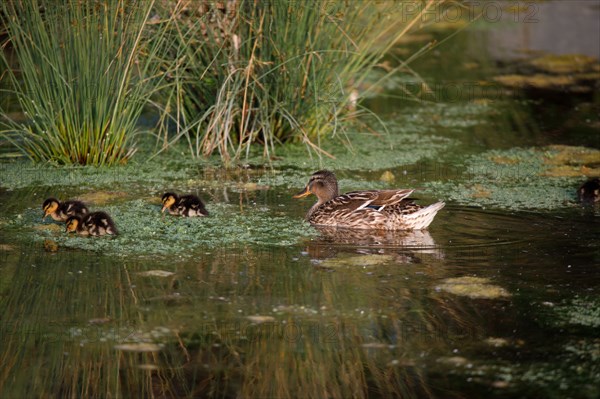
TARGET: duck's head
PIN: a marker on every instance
(50, 206)
(168, 199)
(323, 184)
(73, 223)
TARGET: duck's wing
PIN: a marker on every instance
(74, 207)
(375, 199)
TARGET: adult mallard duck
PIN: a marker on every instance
(186, 205)
(94, 224)
(371, 209)
(60, 211)
(589, 192)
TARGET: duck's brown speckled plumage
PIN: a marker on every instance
(371, 209)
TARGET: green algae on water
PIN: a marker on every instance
(473, 287)
(143, 230)
(357, 261)
(579, 311)
(515, 179)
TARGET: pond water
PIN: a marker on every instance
(499, 298)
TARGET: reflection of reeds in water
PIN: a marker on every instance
(49, 348)
(323, 334)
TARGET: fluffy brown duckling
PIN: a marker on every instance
(94, 224)
(589, 192)
(60, 211)
(186, 205)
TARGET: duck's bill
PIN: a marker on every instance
(303, 193)
(163, 209)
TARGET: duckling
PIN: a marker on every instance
(60, 211)
(186, 205)
(94, 224)
(589, 192)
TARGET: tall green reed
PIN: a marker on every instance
(84, 74)
(271, 72)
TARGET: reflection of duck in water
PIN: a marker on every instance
(371, 209)
(377, 238)
(408, 245)
(589, 192)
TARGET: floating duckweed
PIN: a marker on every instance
(473, 287)
(566, 63)
(571, 155)
(372, 153)
(145, 231)
(574, 368)
(580, 311)
(24, 173)
(102, 197)
(387, 177)
(357, 261)
(515, 179)
(539, 81)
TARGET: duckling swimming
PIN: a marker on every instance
(589, 192)
(60, 211)
(186, 205)
(370, 209)
(94, 224)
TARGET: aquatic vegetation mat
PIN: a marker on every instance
(575, 368)
(583, 312)
(521, 178)
(142, 230)
(574, 73)
(473, 287)
(22, 173)
(368, 152)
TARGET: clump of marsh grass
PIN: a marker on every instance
(83, 75)
(272, 72)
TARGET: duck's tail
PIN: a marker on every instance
(422, 218)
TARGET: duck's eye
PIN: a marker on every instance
(317, 184)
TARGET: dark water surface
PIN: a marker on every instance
(488, 302)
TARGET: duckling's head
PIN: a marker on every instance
(50, 206)
(168, 199)
(73, 224)
(323, 184)
(589, 192)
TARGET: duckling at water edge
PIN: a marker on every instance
(186, 205)
(94, 224)
(60, 211)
